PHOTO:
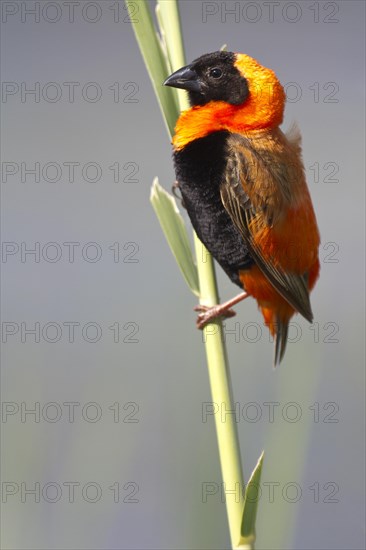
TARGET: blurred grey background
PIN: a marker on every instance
(116, 452)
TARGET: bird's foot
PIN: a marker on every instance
(178, 196)
(210, 313)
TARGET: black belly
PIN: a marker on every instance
(199, 168)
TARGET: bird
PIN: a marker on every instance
(243, 184)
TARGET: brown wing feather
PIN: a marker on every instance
(255, 194)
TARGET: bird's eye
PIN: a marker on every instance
(216, 73)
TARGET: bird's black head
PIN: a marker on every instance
(211, 77)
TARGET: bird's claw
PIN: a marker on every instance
(209, 313)
(178, 196)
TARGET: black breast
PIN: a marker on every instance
(199, 168)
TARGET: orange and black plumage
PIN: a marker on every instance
(243, 184)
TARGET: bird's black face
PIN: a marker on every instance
(211, 77)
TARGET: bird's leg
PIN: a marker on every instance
(175, 187)
(208, 313)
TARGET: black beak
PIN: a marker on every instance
(184, 78)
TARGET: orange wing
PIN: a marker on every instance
(265, 194)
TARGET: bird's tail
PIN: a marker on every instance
(278, 326)
(280, 341)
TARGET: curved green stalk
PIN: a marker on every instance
(169, 48)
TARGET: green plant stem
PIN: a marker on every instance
(217, 363)
(226, 429)
(221, 392)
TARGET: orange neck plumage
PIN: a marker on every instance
(263, 108)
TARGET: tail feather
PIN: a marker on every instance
(280, 341)
(278, 326)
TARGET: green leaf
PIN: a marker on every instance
(170, 22)
(170, 28)
(156, 61)
(175, 232)
(251, 499)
